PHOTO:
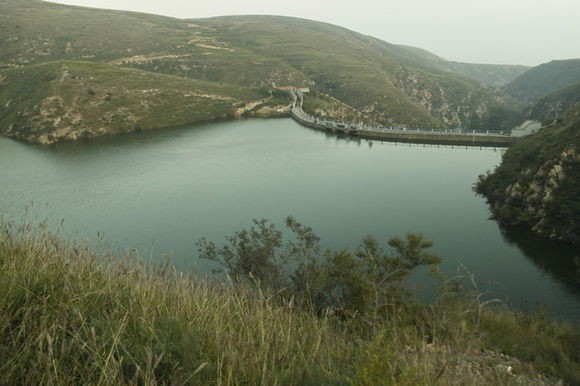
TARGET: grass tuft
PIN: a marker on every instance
(71, 315)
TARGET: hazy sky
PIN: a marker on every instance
(484, 31)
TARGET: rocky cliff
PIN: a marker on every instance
(538, 181)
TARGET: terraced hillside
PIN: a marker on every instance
(351, 76)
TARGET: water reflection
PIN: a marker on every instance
(552, 257)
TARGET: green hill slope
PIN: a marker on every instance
(556, 104)
(35, 31)
(57, 101)
(544, 79)
(353, 75)
(538, 181)
(360, 71)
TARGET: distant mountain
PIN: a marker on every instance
(351, 76)
(494, 75)
(544, 79)
(556, 104)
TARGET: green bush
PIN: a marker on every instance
(368, 281)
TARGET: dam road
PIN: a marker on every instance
(479, 138)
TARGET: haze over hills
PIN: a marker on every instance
(495, 75)
(544, 79)
(351, 75)
(537, 182)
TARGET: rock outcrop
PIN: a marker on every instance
(538, 181)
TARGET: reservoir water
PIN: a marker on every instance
(160, 192)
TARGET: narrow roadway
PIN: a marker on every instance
(413, 135)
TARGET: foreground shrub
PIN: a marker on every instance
(367, 282)
(70, 315)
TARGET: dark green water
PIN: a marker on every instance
(160, 192)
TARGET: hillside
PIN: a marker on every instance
(35, 31)
(556, 104)
(364, 73)
(538, 180)
(350, 74)
(493, 75)
(544, 79)
(58, 101)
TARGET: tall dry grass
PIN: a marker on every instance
(70, 315)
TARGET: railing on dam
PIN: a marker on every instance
(415, 135)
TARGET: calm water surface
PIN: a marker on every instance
(160, 192)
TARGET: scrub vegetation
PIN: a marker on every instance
(555, 105)
(354, 76)
(72, 314)
(70, 100)
(537, 183)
